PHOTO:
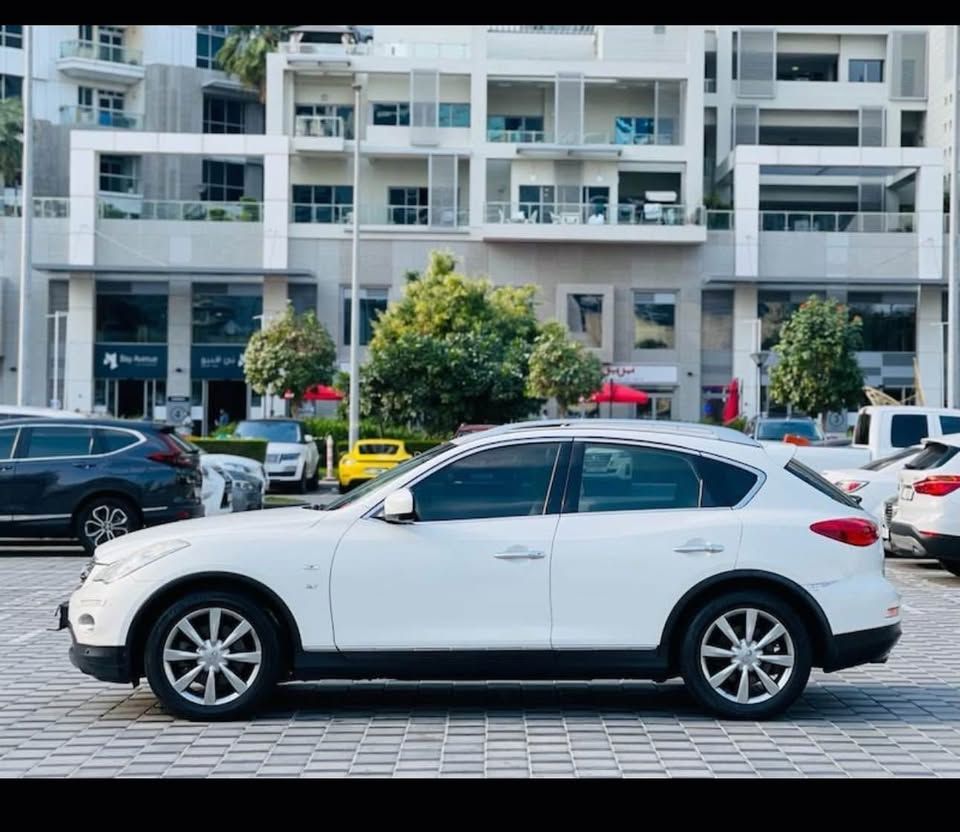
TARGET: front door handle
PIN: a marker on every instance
(519, 554)
(84, 465)
(696, 546)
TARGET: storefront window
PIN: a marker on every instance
(658, 408)
(225, 314)
(889, 320)
(131, 313)
(654, 320)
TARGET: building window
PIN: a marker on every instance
(654, 320)
(774, 309)
(226, 313)
(11, 86)
(889, 320)
(222, 181)
(585, 319)
(302, 297)
(372, 303)
(537, 202)
(322, 203)
(515, 129)
(407, 206)
(393, 114)
(633, 130)
(453, 115)
(223, 115)
(210, 40)
(321, 120)
(862, 71)
(119, 174)
(659, 407)
(11, 36)
(132, 313)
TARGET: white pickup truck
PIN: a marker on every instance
(881, 430)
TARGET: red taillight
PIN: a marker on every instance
(173, 455)
(851, 485)
(937, 486)
(852, 530)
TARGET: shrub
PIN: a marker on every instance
(255, 449)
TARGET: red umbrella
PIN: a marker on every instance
(322, 393)
(619, 393)
(731, 408)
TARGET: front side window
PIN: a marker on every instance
(865, 71)
(391, 114)
(654, 320)
(585, 319)
(949, 424)
(372, 303)
(44, 442)
(222, 181)
(223, 115)
(7, 439)
(907, 429)
(510, 481)
(322, 203)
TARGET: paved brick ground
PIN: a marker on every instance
(898, 719)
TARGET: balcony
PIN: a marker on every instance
(593, 222)
(44, 207)
(838, 222)
(518, 136)
(397, 217)
(92, 117)
(89, 61)
(133, 208)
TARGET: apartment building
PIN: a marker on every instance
(674, 191)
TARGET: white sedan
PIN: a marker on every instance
(503, 555)
(875, 482)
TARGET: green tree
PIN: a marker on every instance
(244, 53)
(293, 353)
(11, 140)
(817, 369)
(455, 349)
(561, 368)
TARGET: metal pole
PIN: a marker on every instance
(354, 403)
(56, 358)
(26, 215)
(953, 337)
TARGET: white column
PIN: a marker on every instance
(693, 122)
(83, 205)
(274, 305)
(746, 188)
(930, 353)
(929, 206)
(276, 208)
(745, 343)
(179, 336)
(78, 368)
(278, 102)
(724, 95)
(478, 125)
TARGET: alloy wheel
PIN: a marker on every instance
(106, 522)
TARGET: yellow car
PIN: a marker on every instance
(368, 459)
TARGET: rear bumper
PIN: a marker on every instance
(863, 647)
(905, 538)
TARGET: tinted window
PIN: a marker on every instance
(814, 480)
(501, 482)
(950, 424)
(113, 440)
(54, 441)
(7, 438)
(776, 430)
(862, 434)
(886, 461)
(908, 429)
(379, 448)
(724, 485)
(626, 478)
(933, 456)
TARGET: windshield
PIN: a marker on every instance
(269, 430)
(775, 430)
(886, 461)
(388, 476)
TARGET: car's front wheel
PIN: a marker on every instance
(746, 655)
(952, 566)
(314, 481)
(213, 655)
(104, 518)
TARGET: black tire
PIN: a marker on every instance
(118, 515)
(952, 566)
(234, 606)
(301, 485)
(696, 670)
(314, 482)
(343, 489)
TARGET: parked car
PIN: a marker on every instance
(369, 458)
(217, 489)
(775, 430)
(925, 520)
(93, 479)
(13, 411)
(875, 482)
(499, 555)
(249, 477)
(292, 453)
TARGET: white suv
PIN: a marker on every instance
(292, 453)
(503, 555)
(925, 520)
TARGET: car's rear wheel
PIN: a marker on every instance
(314, 481)
(213, 655)
(952, 566)
(104, 518)
(746, 655)
(302, 483)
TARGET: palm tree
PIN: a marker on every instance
(244, 53)
(11, 140)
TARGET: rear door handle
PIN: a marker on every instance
(695, 547)
(84, 465)
(519, 554)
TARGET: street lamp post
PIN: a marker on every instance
(354, 403)
(760, 358)
(26, 216)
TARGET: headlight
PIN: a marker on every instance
(138, 559)
(289, 457)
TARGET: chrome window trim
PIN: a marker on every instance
(141, 439)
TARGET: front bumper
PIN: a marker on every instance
(285, 471)
(863, 647)
(905, 538)
(108, 664)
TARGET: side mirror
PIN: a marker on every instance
(307, 438)
(398, 507)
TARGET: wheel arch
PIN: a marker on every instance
(107, 492)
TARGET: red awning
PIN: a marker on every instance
(322, 393)
(619, 394)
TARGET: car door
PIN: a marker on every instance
(641, 525)
(53, 463)
(471, 571)
(8, 485)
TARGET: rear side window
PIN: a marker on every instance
(7, 438)
(814, 480)
(58, 441)
(933, 456)
(908, 429)
(724, 485)
(109, 441)
(949, 424)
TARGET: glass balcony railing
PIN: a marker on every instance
(518, 136)
(709, 84)
(101, 52)
(544, 30)
(838, 221)
(579, 213)
(44, 207)
(322, 127)
(406, 215)
(92, 117)
(455, 51)
(124, 208)
(719, 220)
